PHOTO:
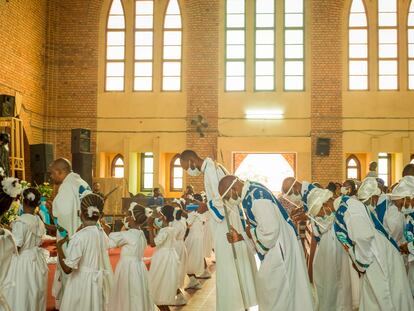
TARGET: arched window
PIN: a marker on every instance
(384, 167)
(144, 41)
(358, 47)
(265, 45)
(387, 45)
(172, 52)
(353, 168)
(176, 174)
(411, 47)
(294, 45)
(235, 45)
(147, 171)
(115, 48)
(117, 167)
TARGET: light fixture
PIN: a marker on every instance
(264, 114)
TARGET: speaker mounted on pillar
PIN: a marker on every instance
(81, 140)
(323, 146)
(82, 164)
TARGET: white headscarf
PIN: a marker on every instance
(409, 180)
(368, 188)
(402, 190)
(316, 198)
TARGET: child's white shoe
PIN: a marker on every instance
(180, 300)
(194, 284)
(206, 275)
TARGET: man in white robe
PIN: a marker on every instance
(228, 291)
(331, 268)
(65, 210)
(282, 281)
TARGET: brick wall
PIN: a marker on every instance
(72, 71)
(201, 20)
(326, 88)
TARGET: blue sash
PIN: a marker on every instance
(257, 191)
(380, 210)
(380, 227)
(341, 230)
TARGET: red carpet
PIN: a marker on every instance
(114, 257)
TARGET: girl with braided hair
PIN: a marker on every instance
(86, 261)
(9, 191)
(131, 291)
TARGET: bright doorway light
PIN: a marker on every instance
(270, 169)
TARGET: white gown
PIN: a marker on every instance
(228, 293)
(180, 227)
(130, 291)
(88, 286)
(7, 250)
(28, 269)
(65, 208)
(164, 271)
(331, 272)
(208, 236)
(195, 243)
(384, 285)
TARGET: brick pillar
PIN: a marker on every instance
(326, 89)
(202, 57)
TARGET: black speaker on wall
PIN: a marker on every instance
(7, 103)
(82, 164)
(323, 146)
(81, 140)
(41, 155)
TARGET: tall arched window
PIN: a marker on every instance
(144, 41)
(176, 174)
(358, 47)
(265, 45)
(384, 167)
(387, 45)
(172, 52)
(294, 45)
(117, 167)
(115, 48)
(411, 47)
(353, 168)
(235, 45)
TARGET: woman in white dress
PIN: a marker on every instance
(131, 291)
(28, 269)
(195, 248)
(7, 244)
(86, 260)
(164, 271)
(180, 226)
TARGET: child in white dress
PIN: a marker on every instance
(28, 269)
(7, 245)
(180, 225)
(195, 248)
(164, 271)
(131, 290)
(86, 260)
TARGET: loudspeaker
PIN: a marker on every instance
(82, 164)
(322, 146)
(7, 104)
(41, 155)
(81, 140)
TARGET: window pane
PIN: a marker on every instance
(235, 51)
(148, 165)
(171, 83)
(388, 82)
(115, 69)
(358, 51)
(115, 52)
(235, 36)
(116, 22)
(265, 20)
(294, 36)
(143, 69)
(119, 172)
(265, 51)
(144, 38)
(387, 19)
(235, 20)
(294, 68)
(358, 36)
(235, 6)
(358, 82)
(116, 38)
(148, 181)
(172, 52)
(172, 21)
(352, 173)
(143, 52)
(411, 16)
(235, 83)
(293, 6)
(235, 69)
(388, 67)
(265, 36)
(177, 172)
(358, 68)
(411, 82)
(114, 84)
(293, 83)
(178, 183)
(294, 51)
(265, 83)
(294, 20)
(173, 7)
(172, 37)
(143, 22)
(143, 84)
(387, 36)
(352, 162)
(172, 69)
(357, 6)
(116, 8)
(411, 67)
(144, 7)
(388, 51)
(119, 161)
(358, 20)
(387, 5)
(265, 6)
(265, 68)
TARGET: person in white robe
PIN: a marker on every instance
(375, 255)
(9, 190)
(230, 286)
(28, 269)
(86, 261)
(65, 209)
(164, 271)
(331, 269)
(131, 290)
(282, 281)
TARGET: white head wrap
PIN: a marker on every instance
(368, 188)
(316, 198)
(91, 210)
(31, 196)
(409, 180)
(402, 190)
(148, 212)
(131, 209)
(11, 186)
